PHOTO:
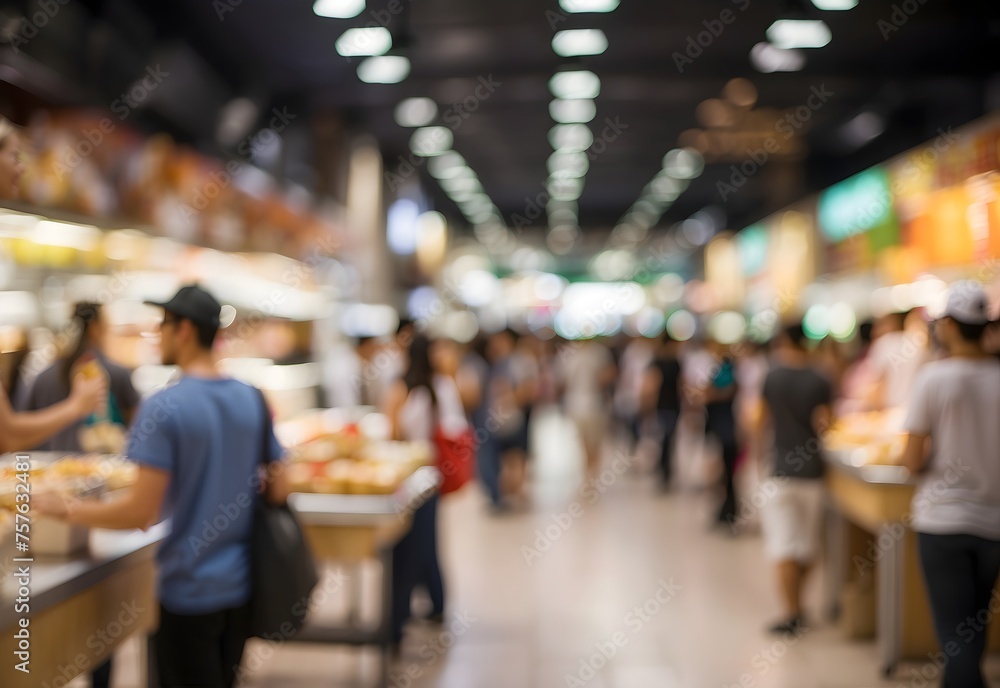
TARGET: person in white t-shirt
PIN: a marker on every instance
(896, 357)
(635, 362)
(955, 408)
(588, 370)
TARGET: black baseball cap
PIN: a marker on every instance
(195, 304)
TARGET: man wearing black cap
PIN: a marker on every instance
(197, 444)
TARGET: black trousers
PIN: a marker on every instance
(101, 678)
(415, 563)
(203, 650)
(960, 571)
(722, 424)
(668, 427)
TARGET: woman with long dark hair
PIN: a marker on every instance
(87, 332)
(417, 404)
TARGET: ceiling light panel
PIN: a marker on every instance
(385, 69)
(375, 40)
(578, 6)
(683, 163)
(429, 141)
(579, 42)
(835, 5)
(572, 111)
(575, 85)
(448, 166)
(339, 9)
(415, 112)
(563, 164)
(571, 137)
(789, 34)
(767, 59)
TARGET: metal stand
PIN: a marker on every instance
(836, 547)
(359, 636)
(889, 573)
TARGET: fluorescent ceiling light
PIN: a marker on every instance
(428, 141)
(562, 216)
(577, 42)
(766, 58)
(375, 40)
(554, 206)
(563, 164)
(477, 204)
(572, 111)
(575, 85)
(442, 174)
(640, 220)
(385, 69)
(415, 112)
(339, 9)
(483, 217)
(564, 189)
(461, 185)
(571, 137)
(463, 196)
(447, 166)
(665, 188)
(835, 5)
(646, 207)
(683, 163)
(576, 6)
(799, 33)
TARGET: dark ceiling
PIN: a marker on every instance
(938, 70)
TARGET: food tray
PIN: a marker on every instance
(82, 476)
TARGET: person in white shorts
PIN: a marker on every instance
(796, 404)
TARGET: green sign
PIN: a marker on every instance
(751, 244)
(860, 205)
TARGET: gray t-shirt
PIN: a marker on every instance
(957, 402)
(792, 396)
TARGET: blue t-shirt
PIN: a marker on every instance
(207, 434)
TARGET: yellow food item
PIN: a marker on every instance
(121, 475)
(74, 467)
(103, 438)
(338, 475)
(385, 479)
(300, 477)
(91, 370)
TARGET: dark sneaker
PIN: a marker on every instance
(794, 625)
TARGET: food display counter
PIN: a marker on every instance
(82, 607)
(86, 600)
(347, 452)
(868, 531)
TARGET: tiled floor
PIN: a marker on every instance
(631, 591)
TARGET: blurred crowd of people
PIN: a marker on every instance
(754, 408)
(631, 389)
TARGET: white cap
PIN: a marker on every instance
(967, 303)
